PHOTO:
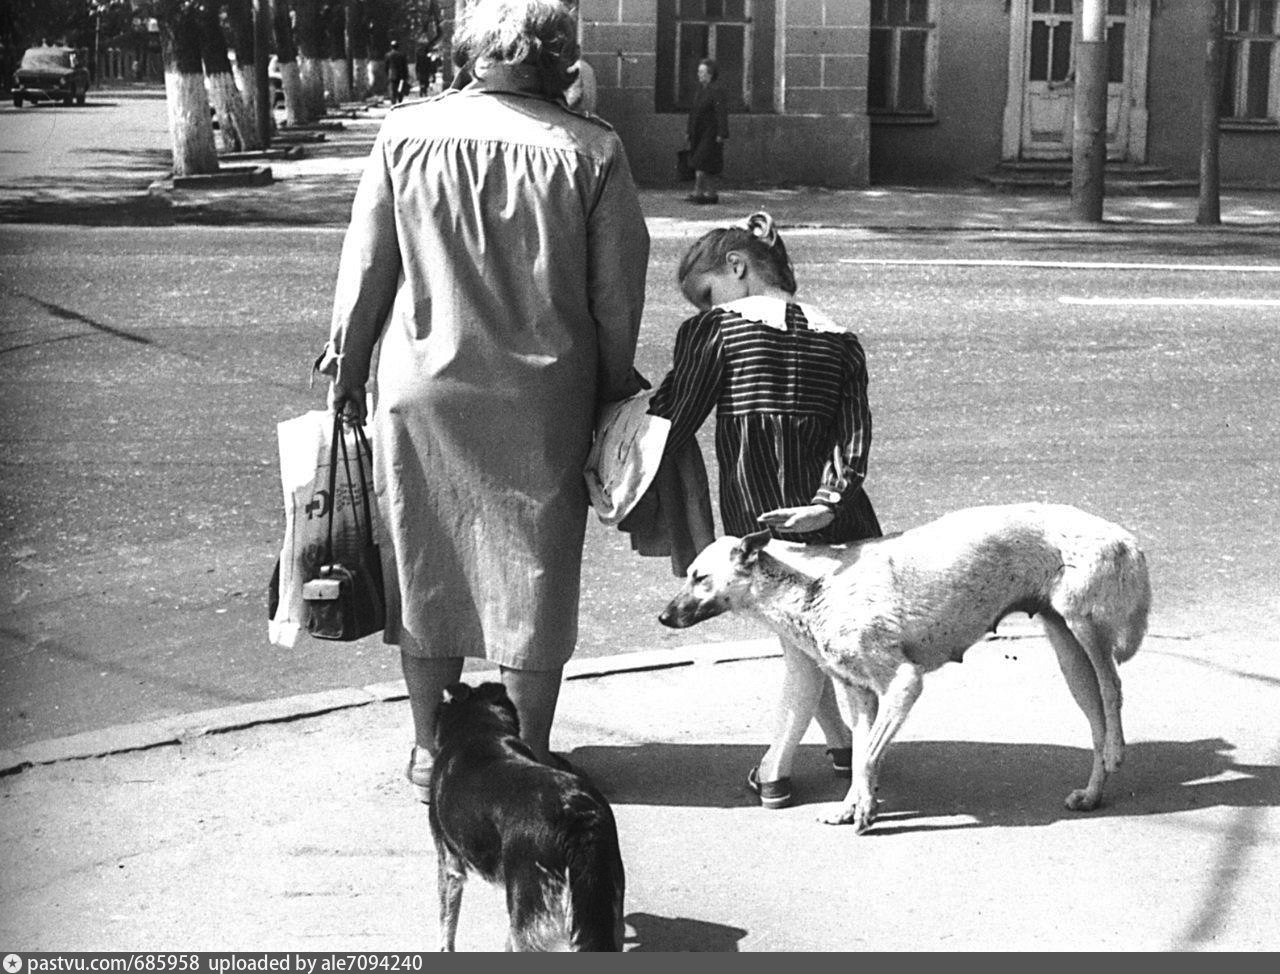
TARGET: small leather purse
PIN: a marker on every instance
(345, 600)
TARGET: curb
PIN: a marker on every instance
(166, 731)
(228, 177)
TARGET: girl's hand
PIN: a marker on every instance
(808, 517)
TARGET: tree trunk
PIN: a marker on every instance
(358, 48)
(234, 128)
(307, 33)
(295, 109)
(1209, 210)
(240, 16)
(336, 67)
(194, 152)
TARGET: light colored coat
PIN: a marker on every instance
(497, 248)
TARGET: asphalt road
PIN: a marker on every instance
(145, 370)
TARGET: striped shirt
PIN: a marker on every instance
(793, 425)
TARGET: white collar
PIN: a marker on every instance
(773, 312)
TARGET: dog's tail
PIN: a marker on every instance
(1136, 584)
(1114, 592)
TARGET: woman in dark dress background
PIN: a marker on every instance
(707, 133)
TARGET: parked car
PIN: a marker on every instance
(51, 74)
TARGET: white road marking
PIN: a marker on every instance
(1066, 264)
(1179, 302)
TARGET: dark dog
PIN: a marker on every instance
(544, 833)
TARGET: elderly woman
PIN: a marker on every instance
(706, 133)
(496, 256)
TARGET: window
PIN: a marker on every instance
(1251, 83)
(738, 34)
(900, 75)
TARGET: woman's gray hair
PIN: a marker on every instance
(541, 33)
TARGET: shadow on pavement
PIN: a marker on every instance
(993, 784)
(681, 934)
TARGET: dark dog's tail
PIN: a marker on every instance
(595, 878)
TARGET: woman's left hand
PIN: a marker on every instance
(808, 517)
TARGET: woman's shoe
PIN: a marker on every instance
(772, 794)
(419, 773)
(841, 759)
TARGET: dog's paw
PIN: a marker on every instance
(1083, 800)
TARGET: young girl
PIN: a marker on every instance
(793, 430)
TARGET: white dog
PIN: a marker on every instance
(880, 614)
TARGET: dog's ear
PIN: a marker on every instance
(749, 547)
(455, 692)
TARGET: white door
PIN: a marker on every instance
(1042, 78)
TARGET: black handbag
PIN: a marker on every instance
(684, 169)
(346, 599)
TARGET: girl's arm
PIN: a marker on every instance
(847, 468)
(689, 392)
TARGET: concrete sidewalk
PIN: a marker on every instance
(302, 834)
(315, 188)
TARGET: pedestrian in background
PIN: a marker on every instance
(497, 255)
(793, 429)
(708, 130)
(397, 66)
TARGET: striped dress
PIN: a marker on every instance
(793, 427)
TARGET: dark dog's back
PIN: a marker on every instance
(545, 834)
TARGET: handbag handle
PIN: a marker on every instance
(362, 443)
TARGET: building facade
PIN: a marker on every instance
(846, 93)
(795, 73)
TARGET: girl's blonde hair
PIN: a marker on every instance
(541, 33)
(755, 237)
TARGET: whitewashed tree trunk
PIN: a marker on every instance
(361, 85)
(312, 76)
(234, 124)
(337, 88)
(190, 127)
(246, 84)
(291, 83)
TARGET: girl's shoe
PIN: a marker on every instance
(773, 794)
(419, 773)
(841, 759)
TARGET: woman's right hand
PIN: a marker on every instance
(351, 400)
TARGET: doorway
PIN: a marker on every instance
(1041, 93)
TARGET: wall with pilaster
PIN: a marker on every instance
(817, 136)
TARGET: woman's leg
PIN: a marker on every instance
(535, 694)
(425, 677)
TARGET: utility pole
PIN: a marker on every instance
(1210, 208)
(1089, 131)
(261, 82)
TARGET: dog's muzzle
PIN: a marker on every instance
(681, 613)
